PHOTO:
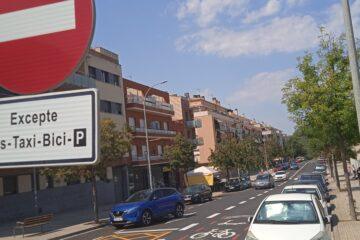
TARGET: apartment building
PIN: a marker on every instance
(159, 113)
(100, 69)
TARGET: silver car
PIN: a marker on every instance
(264, 181)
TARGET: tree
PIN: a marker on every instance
(180, 155)
(249, 154)
(114, 144)
(321, 101)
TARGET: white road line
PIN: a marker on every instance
(76, 235)
(299, 169)
(189, 214)
(214, 215)
(251, 198)
(266, 191)
(59, 17)
(259, 194)
(229, 208)
(175, 220)
(189, 226)
(150, 230)
(242, 202)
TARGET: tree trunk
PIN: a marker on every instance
(94, 196)
(336, 173)
(348, 186)
(227, 174)
(330, 163)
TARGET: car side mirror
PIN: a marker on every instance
(250, 219)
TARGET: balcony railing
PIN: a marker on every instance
(194, 123)
(150, 102)
(143, 158)
(156, 131)
(81, 81)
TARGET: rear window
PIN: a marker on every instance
(261, 177)
(280, 173)
(302, 190)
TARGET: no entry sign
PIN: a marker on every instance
(42, 42)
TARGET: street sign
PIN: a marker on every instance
(54, 129)
(42, 42)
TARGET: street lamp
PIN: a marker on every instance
(146, 132)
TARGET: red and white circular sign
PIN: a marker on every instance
(42, 42)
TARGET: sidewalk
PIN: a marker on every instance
(343, 227)
(62, 225)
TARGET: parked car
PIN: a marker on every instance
(294, 166)
(280, 176)
(320, 168)
(316, 182)
(234, 184)
(264, 181)
(314, 176)
(286, 165)
(311, 189)
(144, 206)
(289, 216)
(197, 193)
(245, 181)
(279, 167)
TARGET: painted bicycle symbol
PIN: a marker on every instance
(215, 233)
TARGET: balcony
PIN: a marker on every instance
(194, 123)
(150, 102)
(156, 131)
(143, 158)
(81, 81)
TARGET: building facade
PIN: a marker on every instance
(159, 113)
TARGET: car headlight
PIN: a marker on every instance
(320, 236)
(250, 236)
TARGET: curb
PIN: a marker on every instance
(101, 225)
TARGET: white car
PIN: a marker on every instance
(295, 216)
(280, 176)
(311, 189)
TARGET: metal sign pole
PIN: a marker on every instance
(36, 204)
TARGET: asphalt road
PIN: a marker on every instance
(223, 218)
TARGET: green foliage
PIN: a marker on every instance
(181, 154)
(321, 100)
(114, 144)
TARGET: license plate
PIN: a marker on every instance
(118, 219)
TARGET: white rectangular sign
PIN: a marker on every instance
(55, 129)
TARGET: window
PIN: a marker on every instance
(116, 108)
(133, 91)
(92, 72)
(10, 185)
(105, 76)
(142, 123)
(105, 106)
(169, 192)
(159, 147)
(143, 148)
(155, 125)
(131, 122)
(165, 126)
(133, 151)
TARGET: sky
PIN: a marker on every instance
(239, 51)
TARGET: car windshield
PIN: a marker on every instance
(262, 177)
(234, 181)
(287, 212)
(193, 189)
(139, 196)
(302, 190)
(280, 173)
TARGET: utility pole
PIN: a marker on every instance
(354, 66)
(147, 135)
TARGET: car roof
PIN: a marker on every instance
(301, 186)
(290, 197)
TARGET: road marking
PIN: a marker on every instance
(251, 198)
(189, 214)
(299, 169)
(189, 226)
(242, 202)
(259, 194)
(214, 215)
(59, 17)
(237, 216)
(266, 191)
(229, 208)
(174, 220)
(143, 231)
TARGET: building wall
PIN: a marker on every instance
(207, 132)
(24, 183)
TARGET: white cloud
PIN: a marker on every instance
(287, 34)
(262, 87)
(294, 3)
(207, 11)
(271, 7)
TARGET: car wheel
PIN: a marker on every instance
(179, 211)
(146, 218)
(201, 199)
(210, 197)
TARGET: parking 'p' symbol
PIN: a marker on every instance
(80, 137)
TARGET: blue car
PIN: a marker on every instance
(294, 166)
(144, 206)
